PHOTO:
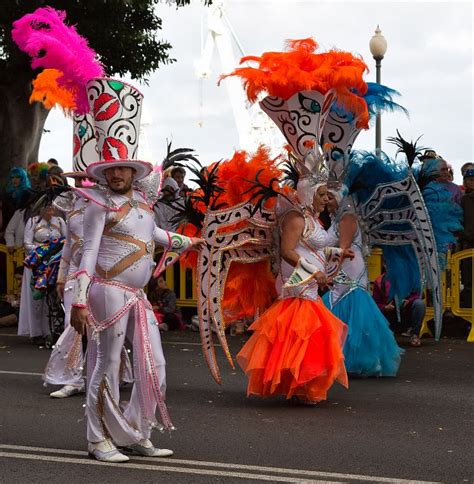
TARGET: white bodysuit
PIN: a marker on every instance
(117, 262)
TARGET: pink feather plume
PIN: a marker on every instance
(52, 44)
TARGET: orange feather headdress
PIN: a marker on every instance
(300, 68)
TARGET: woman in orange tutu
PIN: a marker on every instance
(296, 347)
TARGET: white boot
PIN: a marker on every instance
(68, 390)
(106, 451)
(145, 447)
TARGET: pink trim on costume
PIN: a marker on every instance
(89, 197)
(81, 306)
(159, 267)
(103, 162)
(159, 169)
(75, 275)
(146, 375)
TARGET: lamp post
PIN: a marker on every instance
(378, 47)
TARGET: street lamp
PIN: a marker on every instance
(378, 47)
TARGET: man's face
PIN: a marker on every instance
(119, 178)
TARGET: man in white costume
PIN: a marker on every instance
(119, 244)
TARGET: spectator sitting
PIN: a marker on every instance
(412, 309)
(163, 301)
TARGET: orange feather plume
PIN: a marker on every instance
(190, 258)
(300, 68)
(250, 288)
(236, 176)
(47, 91)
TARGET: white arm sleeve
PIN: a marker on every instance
(171, 241)
(94, 222)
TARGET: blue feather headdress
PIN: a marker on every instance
(379, 98)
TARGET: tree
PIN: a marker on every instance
(122, 32)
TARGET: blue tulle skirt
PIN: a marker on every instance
(370, 348)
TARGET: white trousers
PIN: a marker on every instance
(125, 424)
(66, 362)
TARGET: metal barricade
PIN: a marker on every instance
(13, 260)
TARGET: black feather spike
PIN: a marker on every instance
(173, 157)
(409, 148)
(261, 193)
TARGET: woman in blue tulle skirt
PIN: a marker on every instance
(370, 348)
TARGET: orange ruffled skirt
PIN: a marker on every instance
(295, 350)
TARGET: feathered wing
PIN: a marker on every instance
(395, 218)
(232, 235)
(238, 229)
(446, 214)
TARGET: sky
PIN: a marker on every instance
(429, 60)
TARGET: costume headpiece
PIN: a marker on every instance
(115, 106)
(302, 86)
(47, 91)
(52, 44)
(116, 110)
(341, 130)
(84, 149)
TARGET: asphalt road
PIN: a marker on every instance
(418, 427)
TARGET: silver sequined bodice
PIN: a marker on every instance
(353, 272)
(314, 239)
